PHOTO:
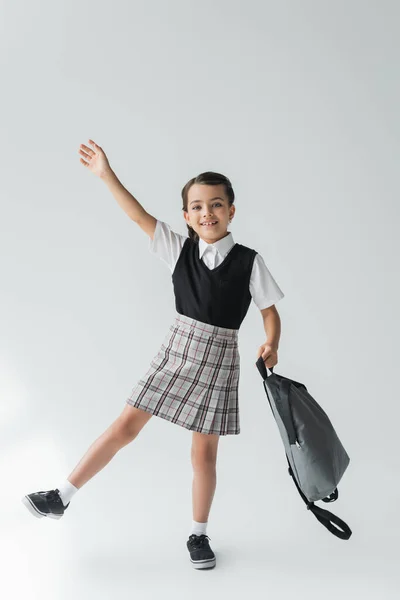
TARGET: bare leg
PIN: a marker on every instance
(120, 433)
(204, 458)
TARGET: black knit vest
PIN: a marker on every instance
(218, 296)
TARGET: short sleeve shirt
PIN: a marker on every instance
(167, 245)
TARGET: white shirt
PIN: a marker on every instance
(167, 245)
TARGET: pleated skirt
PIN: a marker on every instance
(193, 379)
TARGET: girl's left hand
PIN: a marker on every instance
(269, 354)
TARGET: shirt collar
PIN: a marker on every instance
(222, 246)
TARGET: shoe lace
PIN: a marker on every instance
(51, 494)
(199, 541)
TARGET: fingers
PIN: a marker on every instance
(86, 156)
(92, 143)
(89, 151)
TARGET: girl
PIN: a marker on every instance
(193, 380)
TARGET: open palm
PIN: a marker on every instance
(94, 159)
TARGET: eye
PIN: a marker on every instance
(215, 203)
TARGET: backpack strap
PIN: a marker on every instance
(328, 519)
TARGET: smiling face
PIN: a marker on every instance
(206, 204)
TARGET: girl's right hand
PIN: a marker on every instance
(94, 159)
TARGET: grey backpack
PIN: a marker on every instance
(315, 455)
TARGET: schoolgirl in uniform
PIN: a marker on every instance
(193, 379)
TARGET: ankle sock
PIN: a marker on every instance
(199, 528)
(67, 490)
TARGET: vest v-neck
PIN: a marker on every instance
(219, 296)
(228, 256)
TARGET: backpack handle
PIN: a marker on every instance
(260, 364)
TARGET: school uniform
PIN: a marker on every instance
(193, 380)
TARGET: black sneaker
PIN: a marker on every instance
(201, 555)
(45, 504)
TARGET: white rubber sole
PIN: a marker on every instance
(35, 511)
(205, 564)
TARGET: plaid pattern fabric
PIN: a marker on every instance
(193, 380)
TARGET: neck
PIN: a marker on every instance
(217, 240)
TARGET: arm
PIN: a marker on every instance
(96, 161)
(127, 202)
(272, 327)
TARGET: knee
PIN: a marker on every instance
(127, 426)
(203, 458)
(123, 430)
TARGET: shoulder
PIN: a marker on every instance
(246, 249)
(167, 229)
(164, 235)
(246, 253)
(167, 244)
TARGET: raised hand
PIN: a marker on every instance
(94, 159)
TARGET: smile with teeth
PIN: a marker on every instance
(209, 223)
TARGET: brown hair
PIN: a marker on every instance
(207, 178)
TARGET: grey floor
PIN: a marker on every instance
(125, 532)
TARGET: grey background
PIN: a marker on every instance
(297, 103)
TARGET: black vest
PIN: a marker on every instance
(217, 296)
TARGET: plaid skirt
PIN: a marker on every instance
(193, 380)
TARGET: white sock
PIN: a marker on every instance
(67, 490)
(199, 528)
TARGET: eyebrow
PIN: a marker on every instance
(216, 198)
